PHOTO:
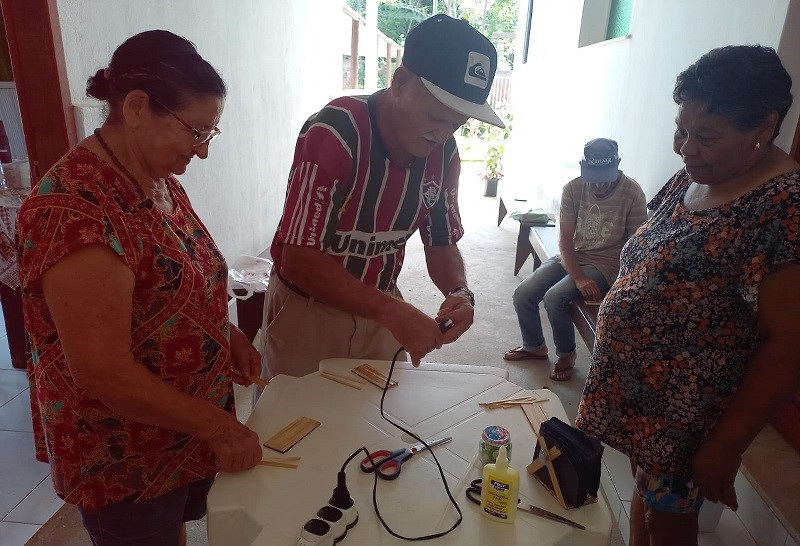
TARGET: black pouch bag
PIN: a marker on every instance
(577, 469)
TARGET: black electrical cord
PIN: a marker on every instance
(375, 483)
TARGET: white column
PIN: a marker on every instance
(370, 42)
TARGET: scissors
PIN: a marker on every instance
(388, 462)
(475, 489)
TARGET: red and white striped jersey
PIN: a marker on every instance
(346, 198)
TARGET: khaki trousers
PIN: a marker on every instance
(298, 332)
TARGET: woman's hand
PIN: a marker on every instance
(714, 469)
(245, 359)
(235, 446)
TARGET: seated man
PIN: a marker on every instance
(599, 211)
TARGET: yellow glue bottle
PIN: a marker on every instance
(499, 489)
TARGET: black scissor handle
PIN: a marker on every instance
(475, 489)
(390, 469)
(474, 494)
(380, 457)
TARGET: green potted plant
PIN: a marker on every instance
(493, 172)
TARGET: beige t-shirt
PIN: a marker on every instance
(602, 226)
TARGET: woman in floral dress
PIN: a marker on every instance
(697, 340)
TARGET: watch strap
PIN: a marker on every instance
(464, 290)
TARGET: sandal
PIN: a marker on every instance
(518, 353)
(560, 371)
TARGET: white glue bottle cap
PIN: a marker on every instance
(501, 463)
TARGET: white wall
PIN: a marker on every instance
(622, 88)
(279, 66)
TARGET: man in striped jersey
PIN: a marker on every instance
(368, 172)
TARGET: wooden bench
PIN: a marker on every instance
(542, 242)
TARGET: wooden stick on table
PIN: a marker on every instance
(342, 381)
(372, 375)
(349, 378)
(282, 459)
(277, 463)
(535, 420)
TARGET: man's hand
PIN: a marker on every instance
(417, 333)
(714, 469)
(235, 446)
(458, 308)
(588, 289)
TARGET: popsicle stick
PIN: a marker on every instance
(372, 375)
(277, 463)
(288, 436)
(258, 381)
(282, 459)
(511, 402)
(535, 415)
(372, 370)
(344, 382)
(345, 377)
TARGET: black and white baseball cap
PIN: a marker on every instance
(456, 63)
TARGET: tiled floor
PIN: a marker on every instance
(618, 484)
(27, 499)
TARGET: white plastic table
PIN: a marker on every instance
(269, 505)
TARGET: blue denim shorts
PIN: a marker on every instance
(668, 493)
(154, 522)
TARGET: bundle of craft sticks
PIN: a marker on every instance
(511, 402)
(374, 376)
(341, 379)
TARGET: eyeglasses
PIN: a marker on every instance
(200, 137)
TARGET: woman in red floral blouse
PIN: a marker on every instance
(126, 308)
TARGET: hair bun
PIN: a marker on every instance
(98, 85)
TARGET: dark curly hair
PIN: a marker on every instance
(743, 83)
(165, 66)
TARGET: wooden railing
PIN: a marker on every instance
(501, 89)
(392, 51)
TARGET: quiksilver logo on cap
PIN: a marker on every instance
(478, 69)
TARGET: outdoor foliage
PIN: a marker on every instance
(478, 141)
(397, 17)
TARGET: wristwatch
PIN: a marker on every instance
(464, 290)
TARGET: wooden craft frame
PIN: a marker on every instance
(545, 472)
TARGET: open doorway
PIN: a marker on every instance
(12, 147)
(38, 117)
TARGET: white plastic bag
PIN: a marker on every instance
(248, 275)
(537, 217)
